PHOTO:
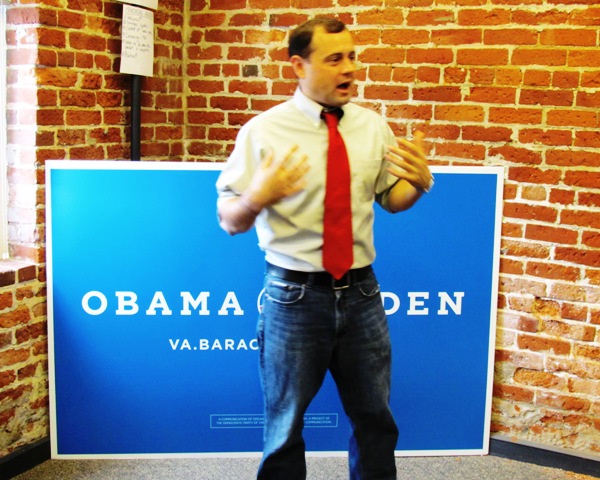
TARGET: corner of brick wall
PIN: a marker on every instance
(23, 355)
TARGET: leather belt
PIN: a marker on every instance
(320, 279)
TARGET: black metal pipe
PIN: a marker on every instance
(136, 108)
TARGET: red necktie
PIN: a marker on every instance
(337, 221)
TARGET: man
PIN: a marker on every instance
(317, 317)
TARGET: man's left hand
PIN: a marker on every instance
(410, 163)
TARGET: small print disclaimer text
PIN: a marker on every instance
(311, 420)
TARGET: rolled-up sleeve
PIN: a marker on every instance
(240, 166)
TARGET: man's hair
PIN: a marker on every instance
(301, 36)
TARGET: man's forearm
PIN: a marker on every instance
(237, 214)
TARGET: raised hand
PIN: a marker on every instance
(410, 163)
(277, 178)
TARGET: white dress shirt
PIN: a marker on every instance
(290, 231)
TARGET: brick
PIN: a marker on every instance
(430, 17)
(588, 100)
(405, 36)
(570, 311)
(461, 150)
(586, 179)
(568, 37)
(521, 155)
(537, 78)
(565, 79)
(551, 234)
(515, 115)
(513, 393)
(495, 16)
(19, 316)
(590, 79)
(573, 117)
(583, 333)
(241, 19)
(439, 56)
(591, 239)
(223, 36)
(246, 53)
(380, 17)
(69, 19)
(539, 56)
(511, 267)
(421, 112)
(546, 137)
(210, 52)
(559, 98)
(386, 92)
(477, 56)
(51, 38)
(13, 356)
(541, 344)
(496, 95)
(578, 256)
(589, 199)
(461, 113)
(584, 58)
(585, 387)
(83, 117)
(82, 41)
(382, 55)
(587, 139)
(7, 278)
(563, 402)
(486, 134)
(510, 36)
(455, 75)
(573, 158)
(70, 98)
(437, 94)
(537, 378)
(534, 175)
(535, 193)
(248, 87)
(528, 360)
(543, 17)
(583, 218)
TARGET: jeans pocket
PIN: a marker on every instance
(284, 293)
(369, 287)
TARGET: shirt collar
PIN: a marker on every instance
(311, 109)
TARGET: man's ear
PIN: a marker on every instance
(298, 65)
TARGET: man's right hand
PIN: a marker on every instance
(276, 179)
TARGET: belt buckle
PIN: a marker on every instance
(338, 285)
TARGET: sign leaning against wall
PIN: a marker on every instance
(152, 316)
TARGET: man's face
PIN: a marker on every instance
(327, 75)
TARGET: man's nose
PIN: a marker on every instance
(349, 65)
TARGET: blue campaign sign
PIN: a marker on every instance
(153, 309)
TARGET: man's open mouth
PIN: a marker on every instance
(344, 86)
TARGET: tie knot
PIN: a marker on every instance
(332, 116)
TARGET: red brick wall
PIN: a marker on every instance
(492, 82)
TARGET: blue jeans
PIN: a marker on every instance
(304, 331)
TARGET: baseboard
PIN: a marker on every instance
(29, 456)
(544, 457)
(24, 458)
